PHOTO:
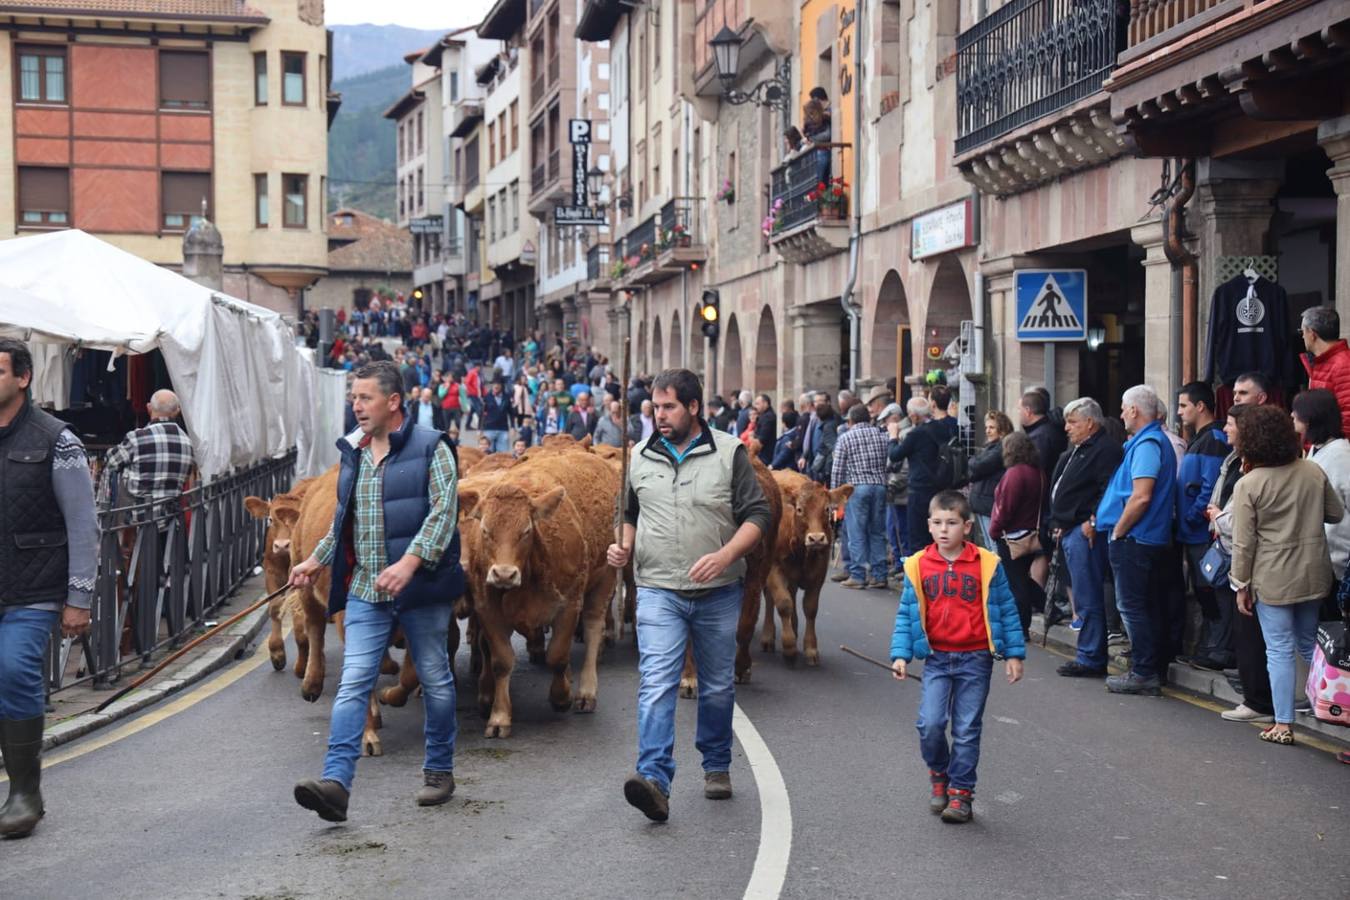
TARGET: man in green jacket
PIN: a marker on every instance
(694, 510)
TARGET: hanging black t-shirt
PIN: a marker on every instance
(1248, 330)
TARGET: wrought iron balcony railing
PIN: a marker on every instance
(797, 183)
(554, 164)
(679, 223)
(537, 89)
(640, 242)
(554, 68)
(1029, 59)
(597, 262)
(537, 177)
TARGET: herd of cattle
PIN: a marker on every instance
(533, 533)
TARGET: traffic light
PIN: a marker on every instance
(712, 324)
(417, 294)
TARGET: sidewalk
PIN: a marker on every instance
(74, 714)
(1204, 683)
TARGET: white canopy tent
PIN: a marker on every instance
(246, 390)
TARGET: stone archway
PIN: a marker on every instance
(676, 341)
(766, 353)
(948, 307)
(642, 348)
(658, 351)
(696, 347)
(731, 359)
(888, 317)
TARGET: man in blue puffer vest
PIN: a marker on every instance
(394, 548)
(957, 613)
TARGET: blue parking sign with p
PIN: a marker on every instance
(1051, 304)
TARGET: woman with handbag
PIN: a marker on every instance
(1280, 567)
(1016, 522)
(986, 470)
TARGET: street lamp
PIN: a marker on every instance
(594, 182)
(772, 93)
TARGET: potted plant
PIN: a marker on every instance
(619, 269)
(727, 193)
(679, 236)
(772, 221)
(831, 198)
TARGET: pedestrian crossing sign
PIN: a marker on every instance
(1051, 304)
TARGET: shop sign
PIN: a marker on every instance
(942, 230)
(1051, 304)
(426, 225)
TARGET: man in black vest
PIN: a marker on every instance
(48, 561)
(394, 549)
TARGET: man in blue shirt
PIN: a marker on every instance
(1136, 513)
(1199, 471)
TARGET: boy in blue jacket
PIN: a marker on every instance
(957, 613)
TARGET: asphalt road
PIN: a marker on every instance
(1082, 794)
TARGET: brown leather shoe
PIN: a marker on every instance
(646, 796)
(838, 576)
(853, 584)
(436, 789)
(326, 797)
(717, 785)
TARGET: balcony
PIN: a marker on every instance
(547, 186)
(807, 219)
(1230, 77)
(454, 258)
(537, 176)
(536, 7)
(465, 115)
(597, 267)
(554, 69)
(1029, 59)
(664, 245)
(765, 25)
(554, 164)
(538, 90)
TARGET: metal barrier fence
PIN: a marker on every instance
(164, 568)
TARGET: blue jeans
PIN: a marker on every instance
(917, 512)
(984, 522)
(1286, 629)
(369, 626)
(666, 621)
(24, 633)
(841, 535)
(897, 532)
(1087, 571)
(866, 517)
(955, 686)
(1132, 563)
(498, 441)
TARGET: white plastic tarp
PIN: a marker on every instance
(245, 390)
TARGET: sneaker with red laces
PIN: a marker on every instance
(938, 802)
(958, 810)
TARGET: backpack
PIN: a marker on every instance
(1328, 686)
(953, 466)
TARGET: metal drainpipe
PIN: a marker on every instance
(1184, 265)
(852, 310)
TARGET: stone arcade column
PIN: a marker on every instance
(1334, 136)
(1158, 348)
(815, 346)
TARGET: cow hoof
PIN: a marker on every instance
(498, 731)
(813, 658)
(688, 689)
(388, 666)
(790, 658)
(299, 668)
(279, 662)
(395, 697)
(485, 708)
(743, 677)
(610, 639)
(372, 748)
(766, 646)
(584, 705)
(311, 696)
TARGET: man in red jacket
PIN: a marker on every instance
(1328, 357)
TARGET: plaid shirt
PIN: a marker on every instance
(860, 456)
(155, 461)
(368, 530)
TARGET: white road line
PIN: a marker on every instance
(775, 812)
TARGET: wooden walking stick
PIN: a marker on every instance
(623, 457)
(876, 662)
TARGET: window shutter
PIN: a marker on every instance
(185, 79)
(183, 193)
(44, 189)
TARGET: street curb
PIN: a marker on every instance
(1201, 682)
(241, 634)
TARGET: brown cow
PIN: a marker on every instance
(758, 562)
(538, 560)
(494, 462)
(309, 523)
(277, 558)
(468, 458)
(800, 560)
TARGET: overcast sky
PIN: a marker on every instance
(412, 13)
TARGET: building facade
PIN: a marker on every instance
(420, 176)
(131, 119)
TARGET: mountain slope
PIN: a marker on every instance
(358, 49)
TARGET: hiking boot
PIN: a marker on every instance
(880, 584)
(717, 785)
(1130, 683)
(958, 810)
(646, 796)
(1244, 713)
(938, 801)
(1074, 669)
(1201, 662)
(853, 584)
(436, 788)
(328, 798)
(838, 575)
(22, 740)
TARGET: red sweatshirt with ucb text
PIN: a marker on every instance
(953, 607)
